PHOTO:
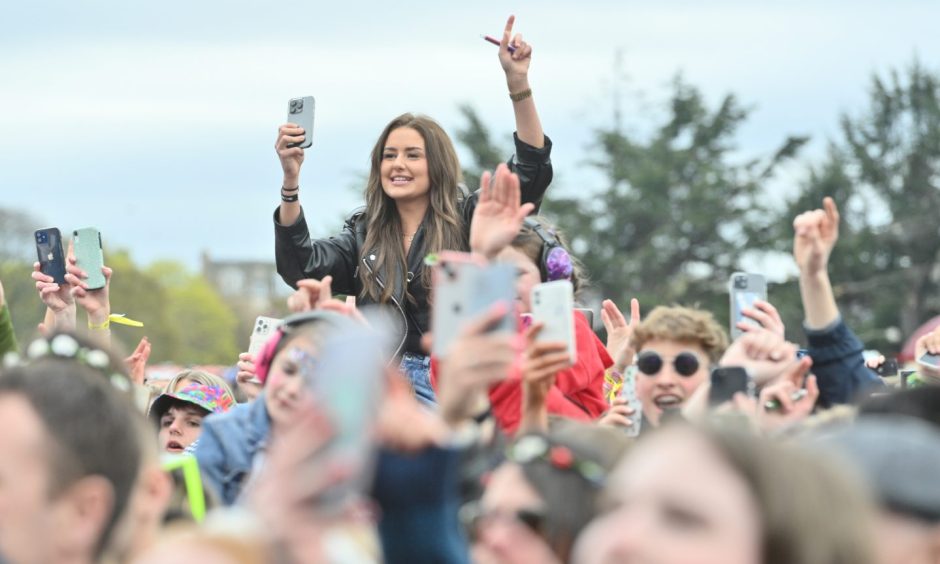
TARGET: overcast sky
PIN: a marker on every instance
(156, 122)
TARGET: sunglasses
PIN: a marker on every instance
(650, 363)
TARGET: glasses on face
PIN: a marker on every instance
(650, 363)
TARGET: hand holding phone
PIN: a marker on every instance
(464, 288)
(553, 307)
(726, 382)
(300, 112)
(743, 290)
(50, 254)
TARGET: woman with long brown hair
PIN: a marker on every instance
(414, 206)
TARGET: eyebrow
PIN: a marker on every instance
(406, 148)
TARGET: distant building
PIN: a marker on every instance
(256, 284)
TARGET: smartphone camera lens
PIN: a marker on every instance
(740, 282)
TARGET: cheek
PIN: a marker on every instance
(163, 435)
(690, 384)
(644, 386)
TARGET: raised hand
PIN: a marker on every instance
(499, 214)
(95, 302)
(57, 297)
(310, 294)
(542, 362)
(815, 235)
(765, 354)
(291, 157)
(246, 378)
(137, 362)
(516, 63)
(929, 343)
(766, 315)
(619, 332)
(475, 361)
(619, 414)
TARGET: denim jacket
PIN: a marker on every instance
(228, 444)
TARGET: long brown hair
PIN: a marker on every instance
(443, 225)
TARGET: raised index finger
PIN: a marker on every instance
(832, 212)
(507, 32)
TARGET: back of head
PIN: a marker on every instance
(813, 508)
(899, 457)
(921, 403)
(89, 420)
(682, 324)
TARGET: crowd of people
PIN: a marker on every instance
(346, 439)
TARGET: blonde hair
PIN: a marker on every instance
(684, 325)
(199, 377)
(813, 509)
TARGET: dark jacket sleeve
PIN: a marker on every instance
(298, 256)
(7, 336)
(419, 498)
(838, 365)
(534, 167)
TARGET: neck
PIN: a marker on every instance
(411, 214)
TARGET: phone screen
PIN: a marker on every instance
(931, 360)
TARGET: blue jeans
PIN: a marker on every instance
(418, 370)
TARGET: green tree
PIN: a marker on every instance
(678, 211)
(205, 325)
(883, 173)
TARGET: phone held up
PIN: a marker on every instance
(553, 307)
(49, 251)
(463, 289)
(743, 290)
(300, 112)
(727, 381)
(89, 256)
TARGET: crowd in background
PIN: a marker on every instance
(355, 433)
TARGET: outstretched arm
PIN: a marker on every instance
(516, 66)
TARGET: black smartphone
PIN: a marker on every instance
(725, 382)
(888, 368)
(49, 250)
(300, 112)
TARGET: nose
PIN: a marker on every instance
(293, 387)
(667, 377)
(176, 427)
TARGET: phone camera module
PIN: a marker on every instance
(740, 282)
(296, 106)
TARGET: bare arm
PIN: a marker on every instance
(516, 67)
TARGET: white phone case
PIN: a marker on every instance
(553, 306)
(264, 327)
(463, 290)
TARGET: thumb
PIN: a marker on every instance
(326, 294)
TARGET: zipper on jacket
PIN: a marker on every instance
(378, 279)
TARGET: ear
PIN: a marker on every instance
(86, 506)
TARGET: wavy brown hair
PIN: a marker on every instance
(443, 226)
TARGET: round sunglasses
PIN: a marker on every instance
(650, 363)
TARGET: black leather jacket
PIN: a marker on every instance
(298, 256)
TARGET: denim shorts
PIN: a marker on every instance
(418, 370)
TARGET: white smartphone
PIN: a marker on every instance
(743, 290)
(628, 392)
(264, 327)
(463, 289)
(553, 306)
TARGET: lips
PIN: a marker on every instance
(174, 447)
(667, 401)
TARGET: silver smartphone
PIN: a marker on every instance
(464, 288)
(743, 290)
(300, 112)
